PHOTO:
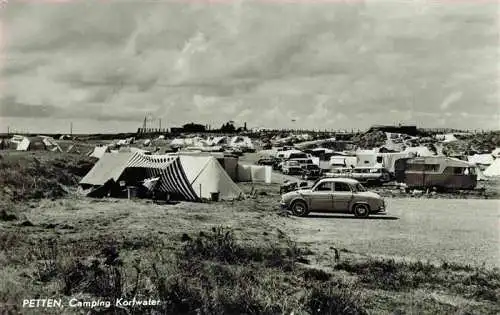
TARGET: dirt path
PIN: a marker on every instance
(463, 231)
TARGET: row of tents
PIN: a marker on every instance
(32, 143)
(237, 142)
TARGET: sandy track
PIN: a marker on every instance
(464, 231)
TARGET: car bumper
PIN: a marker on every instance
(283, 206)
(382, 210)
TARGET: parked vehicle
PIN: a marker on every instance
(311, 171)
(339, 195)
(442, 173)
(266, 161)
(366, 175)
(291, 167)
(291, 186)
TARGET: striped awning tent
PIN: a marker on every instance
(192, 177)
(170, 171)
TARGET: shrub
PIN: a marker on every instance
(328, 298)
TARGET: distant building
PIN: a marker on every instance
(408, 130)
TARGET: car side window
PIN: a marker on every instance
(342, 187)
(324, 187)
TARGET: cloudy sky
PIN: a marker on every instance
(105, 65)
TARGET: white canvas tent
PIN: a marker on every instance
(496, 153)
(99, 151)
(343, 161)
(481, 159)
(449, 138)
(193, 177)
(493, 170)
(366, 157)
(389, 159)
(206, 176)
(241, 143)
(36, 143)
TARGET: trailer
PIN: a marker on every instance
(439, 172)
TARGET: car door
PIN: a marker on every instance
(342, 197)
(322, 197)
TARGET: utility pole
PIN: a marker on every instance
(71, 129)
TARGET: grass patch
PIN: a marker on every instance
(36, 176)
(215, 273)
(477, 283)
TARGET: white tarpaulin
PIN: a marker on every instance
(494, 169)
(254, 173)
(481, 159)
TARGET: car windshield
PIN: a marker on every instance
(315, 182)
(359, 188)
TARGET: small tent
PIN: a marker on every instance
(494, 169)
(99, 151)
(206, 175)
(37, 143)
(366, 157)
(496, 153)
(482, 160)
(389, 159)
(449, 138)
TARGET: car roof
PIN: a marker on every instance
(341, 179)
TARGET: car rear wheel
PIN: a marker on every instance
(299, 208)
(361, 211)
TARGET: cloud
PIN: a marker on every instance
(450, 100)
(326, 65)
(10, 107)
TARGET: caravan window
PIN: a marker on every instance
(379, 159)
(470, 171)
(432, 167)
(298, 156)
(458, 170)
(416, 167)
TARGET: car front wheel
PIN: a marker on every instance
(299, 208)
(361, 211)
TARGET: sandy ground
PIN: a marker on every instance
(463, 231)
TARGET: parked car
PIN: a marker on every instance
(291, 167)
(364, 174)
(339, 195)
(266, 161)
(311, 171)
(291, 186)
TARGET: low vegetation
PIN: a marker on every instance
(42, 175)
(214, 273)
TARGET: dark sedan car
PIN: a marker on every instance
(266, 161)
(311, 171)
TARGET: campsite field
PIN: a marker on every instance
(427, 256)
